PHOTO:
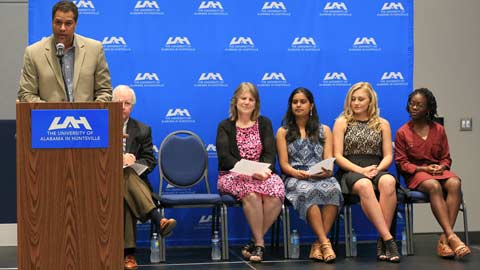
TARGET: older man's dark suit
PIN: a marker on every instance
(138, 200)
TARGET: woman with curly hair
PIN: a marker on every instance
(423, 156)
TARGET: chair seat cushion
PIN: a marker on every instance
(418, 196)
(229, 200)
(171, 200)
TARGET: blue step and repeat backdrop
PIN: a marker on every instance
(184, 58)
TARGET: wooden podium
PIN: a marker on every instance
(69, 201)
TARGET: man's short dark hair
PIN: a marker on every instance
(65, 6)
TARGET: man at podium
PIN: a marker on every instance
(138, 162)
(65, 66)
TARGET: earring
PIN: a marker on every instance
(310, 112)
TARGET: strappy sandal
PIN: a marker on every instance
(328, 253)
(460, 249)
(381, 250)
(391, 251)
(444, 250)
(257, 254)
(316, 251)
(248, 249)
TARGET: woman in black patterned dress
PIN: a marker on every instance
(362, 146)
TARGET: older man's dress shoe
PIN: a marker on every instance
(130, 262)
(167, 226)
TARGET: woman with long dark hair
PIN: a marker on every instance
(302, 142)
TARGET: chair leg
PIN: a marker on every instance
(337, 232)
(272, 236)
(348, 230)
(393, 226)
(409, 227)
(286, 231)
(465, 221)
(162, 240)
(224, 216)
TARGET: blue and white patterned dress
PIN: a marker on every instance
(302, 154)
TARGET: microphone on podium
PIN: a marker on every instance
(60, 49)
(60, 52)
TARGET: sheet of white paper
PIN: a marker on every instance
(249, 167)
(139, 168)
(326, 164)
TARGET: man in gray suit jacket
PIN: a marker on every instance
(85, 70)
(139, 205)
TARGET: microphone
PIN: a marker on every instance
(60, 49)
(60, 52)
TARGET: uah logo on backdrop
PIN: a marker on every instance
(274, 8)
(178, 115)
(334, 78)
(146, 8)
(147, 79)
(274, 79)
(335, 9)
(204, 223)
(211, 150)
(304, 44)
(69, 128)
(178, 43)
(210, 79)
(242, 43)
(365, 44)
(213, 8)
(86, 7)
(115, 43)
(392, 9)
(392, 78)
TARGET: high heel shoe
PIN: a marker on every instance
(381, 250)
(460, 249)
(328, 253)
(257, 254)
(316, 251)
(391, 251)
(248, 249)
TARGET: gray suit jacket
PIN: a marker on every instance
(41, 77)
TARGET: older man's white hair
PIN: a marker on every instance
(123, 87)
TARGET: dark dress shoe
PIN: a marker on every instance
(130, 262)
(167, 226)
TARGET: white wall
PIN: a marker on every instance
(13, 35)
(447, 61)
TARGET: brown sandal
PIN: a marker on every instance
(328, 253)
(460, 249)
(444, 250)
(316, 251)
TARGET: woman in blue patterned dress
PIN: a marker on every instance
(247, 135)
(301, 143)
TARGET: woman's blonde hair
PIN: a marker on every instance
(373, 111)
(244, 86)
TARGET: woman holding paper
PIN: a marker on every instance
(362, 145)
(302, 142)
(247, 135)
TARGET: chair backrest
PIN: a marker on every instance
(183, 160)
